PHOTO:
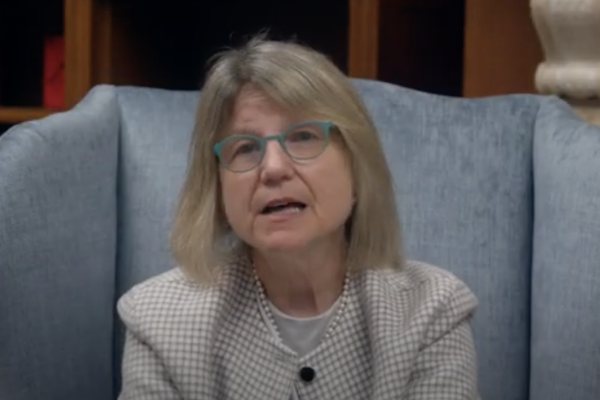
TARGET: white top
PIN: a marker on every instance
(302, 335)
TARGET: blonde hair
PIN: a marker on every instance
(299, 78)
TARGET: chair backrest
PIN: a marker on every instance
(86, 200)
(463, 172)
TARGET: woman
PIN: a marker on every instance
(291, 283)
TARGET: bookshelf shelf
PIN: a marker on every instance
(15, 115)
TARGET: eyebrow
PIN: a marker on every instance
(244, 130)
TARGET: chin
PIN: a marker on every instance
(282, 243)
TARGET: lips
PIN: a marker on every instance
(283, 205)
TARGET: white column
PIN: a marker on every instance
(569, 31)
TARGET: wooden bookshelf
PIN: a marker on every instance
(23, 26)
(451, 47)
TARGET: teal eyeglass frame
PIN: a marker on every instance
(262, 141)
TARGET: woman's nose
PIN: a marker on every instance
(275, 163)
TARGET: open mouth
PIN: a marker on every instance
(283, 208)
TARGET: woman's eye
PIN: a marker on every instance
(300, 136)
(246, 148)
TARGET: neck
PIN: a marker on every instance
(302, 285)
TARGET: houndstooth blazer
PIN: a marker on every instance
(403, 335)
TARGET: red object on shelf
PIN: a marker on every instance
(54, 72)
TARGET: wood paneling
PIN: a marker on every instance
(363, 38)
(78, 49)
(102, 42)
(122, 51)
(502, 50)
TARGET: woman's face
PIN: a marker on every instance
(311, 199)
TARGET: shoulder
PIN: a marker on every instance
(169, 298)
(417, 274)
(424, 289)
(419, 277)
(173, 284)
(173, 279)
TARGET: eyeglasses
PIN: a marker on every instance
(303, 141)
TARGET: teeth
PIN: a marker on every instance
(287, 210)
(283, 207)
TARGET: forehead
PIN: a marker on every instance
(253, 109)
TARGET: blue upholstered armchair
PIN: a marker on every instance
(504, 192)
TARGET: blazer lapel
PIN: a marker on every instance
(248, 357)
(363, 359)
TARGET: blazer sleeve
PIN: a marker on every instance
(446, 367)
(144, 376)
